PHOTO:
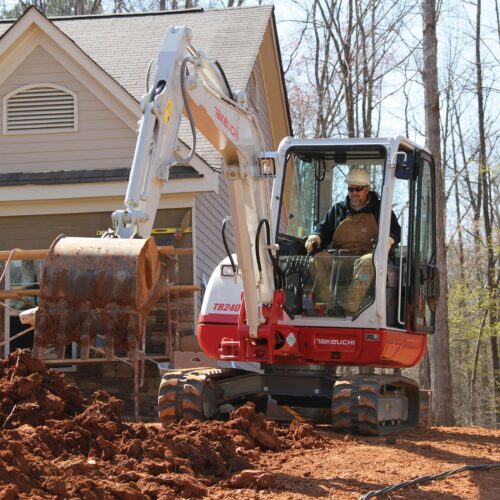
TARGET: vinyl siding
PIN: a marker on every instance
(102, 140)
(39, 231)
(257, 95)
(210, 211)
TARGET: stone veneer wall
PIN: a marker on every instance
(117, 379)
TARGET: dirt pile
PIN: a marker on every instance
(54, 442)
(31, 394)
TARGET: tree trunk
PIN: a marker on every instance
(348, 80)
(341, 35)
(498, 19)
(460, 243)
(442, 407)
(488, 230)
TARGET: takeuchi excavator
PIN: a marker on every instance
(274, 316)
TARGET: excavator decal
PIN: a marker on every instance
(227, 307)
(233, 130)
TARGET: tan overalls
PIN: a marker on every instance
(356, 234)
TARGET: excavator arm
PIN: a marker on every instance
(187, 80)
(105, 287)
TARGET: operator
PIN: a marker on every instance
(352, 225)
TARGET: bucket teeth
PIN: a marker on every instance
(97, 293)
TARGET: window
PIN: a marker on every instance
(24, 275)
(339, 283)
(427, 280)
(40, 108)
(315, 181)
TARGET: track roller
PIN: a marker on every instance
(375, 405)
(190, 394)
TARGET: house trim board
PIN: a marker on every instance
(105, 203)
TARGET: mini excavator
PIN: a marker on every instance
(272, 315)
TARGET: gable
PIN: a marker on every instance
(117, 46)
(102, 140)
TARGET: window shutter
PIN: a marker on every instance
(40, 108)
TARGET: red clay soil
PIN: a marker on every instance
(56, 444)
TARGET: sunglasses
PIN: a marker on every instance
(357, 189)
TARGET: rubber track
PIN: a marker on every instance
(354, 405)
(181, 393)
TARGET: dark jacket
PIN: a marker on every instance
(326, 228)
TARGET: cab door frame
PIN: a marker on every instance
(424, 282)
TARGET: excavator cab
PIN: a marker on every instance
(342, 282)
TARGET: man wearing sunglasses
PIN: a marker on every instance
(352, 224)
(351, 227)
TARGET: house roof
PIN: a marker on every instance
(124, 44)
(86, 176)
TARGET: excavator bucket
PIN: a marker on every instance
(97, 293)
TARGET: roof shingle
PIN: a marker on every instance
(86, 176)
(123, 45)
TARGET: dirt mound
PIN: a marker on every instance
(55, 442)
(31, 394)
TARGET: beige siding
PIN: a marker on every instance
(257, 98)
(39, 231)
(102, 140)
(210, 210)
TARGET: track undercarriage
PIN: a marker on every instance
(360, 404)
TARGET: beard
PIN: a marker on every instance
(357, 204)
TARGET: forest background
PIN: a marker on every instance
(363, 68)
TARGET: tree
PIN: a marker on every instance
(56, 7)
(442, 408)
(487, 209)
(350, 48)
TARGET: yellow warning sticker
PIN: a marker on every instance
(168, 111)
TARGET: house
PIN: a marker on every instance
(69, 95)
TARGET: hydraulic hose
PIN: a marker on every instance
(279, 277)
(226, 246)
(185, 99)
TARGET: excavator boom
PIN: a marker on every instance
(103, 288)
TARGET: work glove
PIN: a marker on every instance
(391, 242)
(313, 242)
